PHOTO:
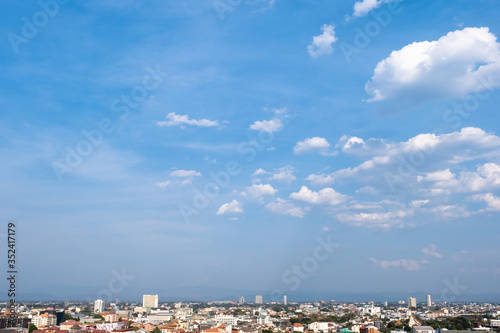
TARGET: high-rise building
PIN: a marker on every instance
(412, 302)
(150, 301)
(258, 299)
(98, 306)
(429, 301)
(285, 300)
(241, 300)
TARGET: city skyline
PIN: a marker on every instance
(349, 149)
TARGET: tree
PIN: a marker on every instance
(98, 316)
(156, 330)
(32, 328)
(67, 317)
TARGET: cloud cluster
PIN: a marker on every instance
(326, 195)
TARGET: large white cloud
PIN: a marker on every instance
(326, 195)
(174, 119)
(455, 65)
(323, 44)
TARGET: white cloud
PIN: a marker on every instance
(407, 264)
(315, 144)
(209, 160)
(485, 178)
(326, 195)
(258, 190)
(269, 126)
(284, 207)
(322, 44)
(185, 173)
(431, 251)
(357, 146)
(363, 7)
(367, 190)
(231, 207)
(164, 184)
(260, 171)
(284, 174)
(177, 119)
(384, 220)
(449, 211)
(492, 202)
(457, 64)
(273, 125)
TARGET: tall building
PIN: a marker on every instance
(241, 300)
(98, 306)
(150, 301)
(429, 301)
(285, 300)
(258, 299)
(412, 302)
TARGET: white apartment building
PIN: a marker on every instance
(264, 320)
(150, 301)
(98, 306)
(428, 301)
(226, 320)
(44, 319)
(422, 329)
(495, 322)
(370, 309)
(318, 326)
(412, 302)
(258, 299)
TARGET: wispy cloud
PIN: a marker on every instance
(174, 119)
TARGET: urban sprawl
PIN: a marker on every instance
(240, 316)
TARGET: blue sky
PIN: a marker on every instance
(371, 123)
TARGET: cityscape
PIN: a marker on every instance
(250, 166)
(254, 316)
